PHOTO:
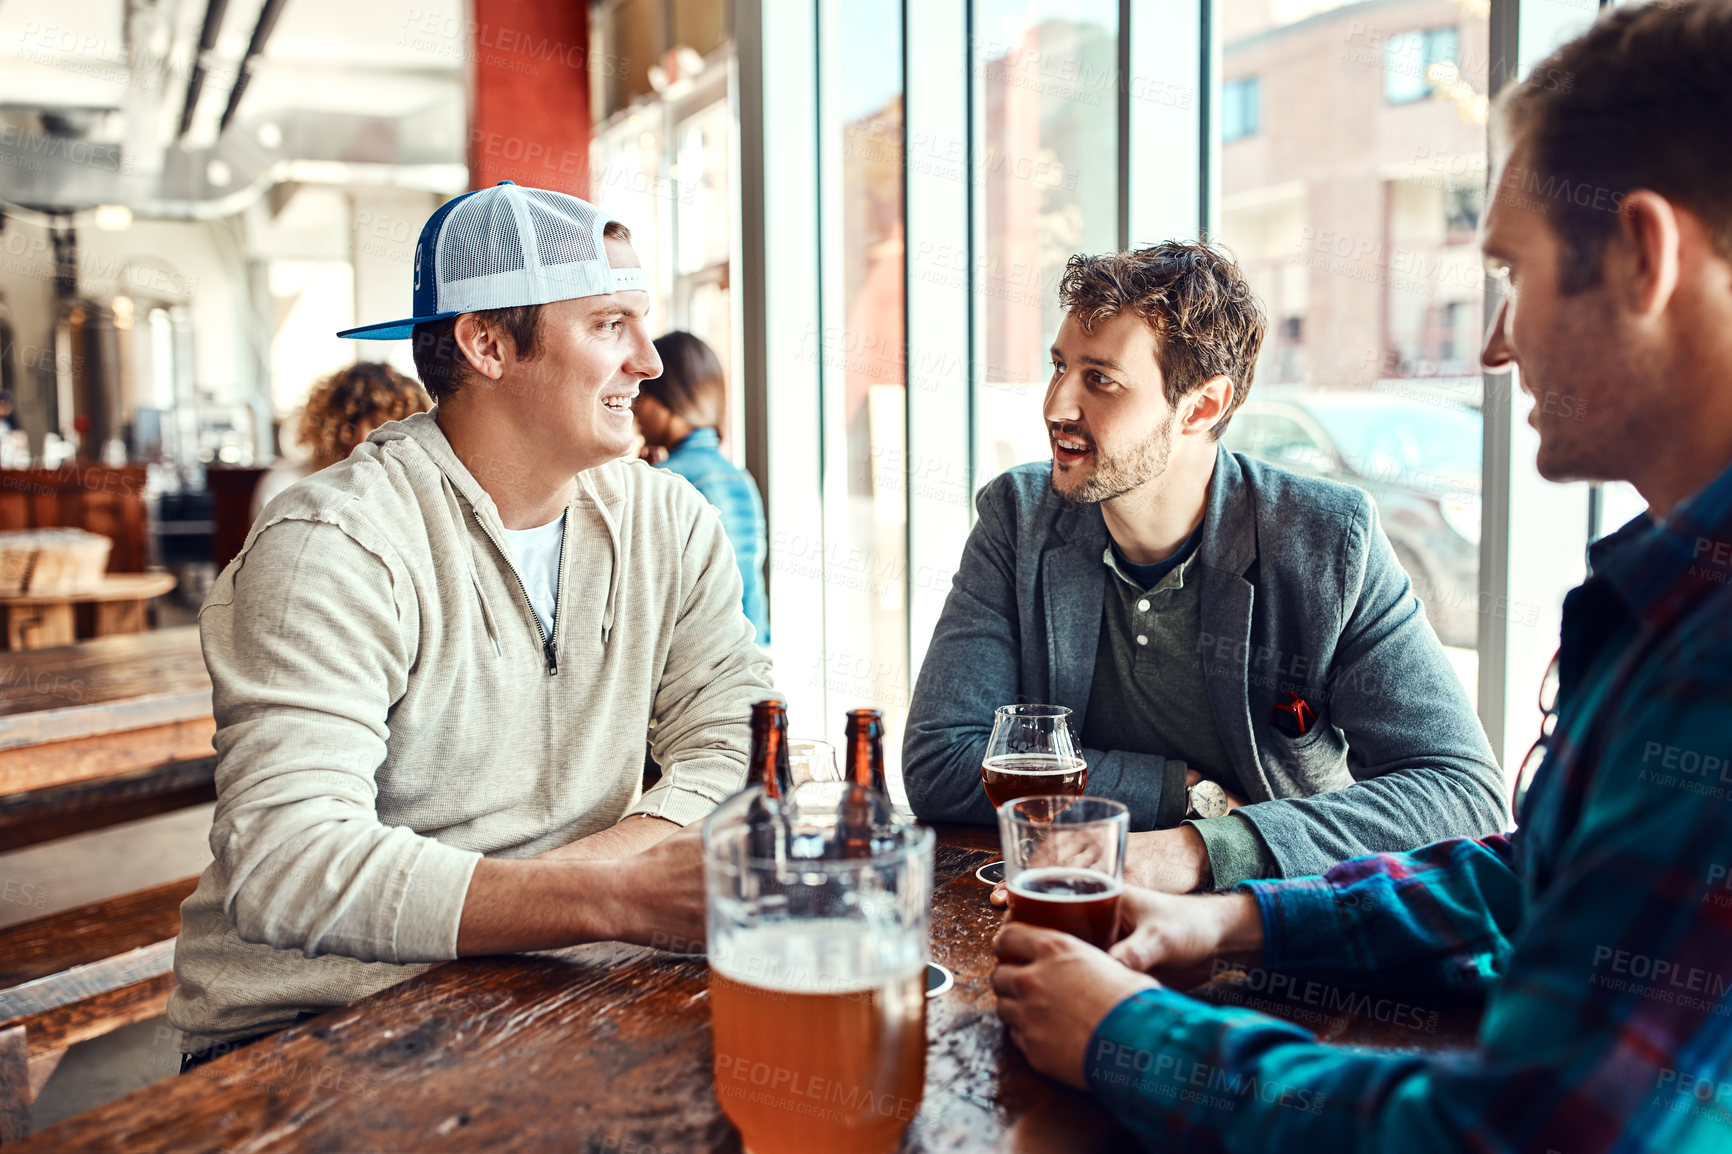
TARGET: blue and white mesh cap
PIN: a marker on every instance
(505, 246)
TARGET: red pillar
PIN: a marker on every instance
(529, 117)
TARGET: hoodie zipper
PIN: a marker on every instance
(547, 648)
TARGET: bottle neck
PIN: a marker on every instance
(866, 759)
(769, 752)
(766, 768)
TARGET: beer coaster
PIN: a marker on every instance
(938, 980)
(991, 873)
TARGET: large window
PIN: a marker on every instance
(894, 324)
(1358, 235)
(665, 166)
(701, 178)
(1048, 86)
(863, 661)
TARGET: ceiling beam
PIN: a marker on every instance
(207, 37)
(261, 33)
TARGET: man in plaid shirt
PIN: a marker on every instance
(1600, 931)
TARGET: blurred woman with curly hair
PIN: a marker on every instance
(340, 411)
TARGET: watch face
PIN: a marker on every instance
(1208, 799)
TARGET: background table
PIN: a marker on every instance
(117, 605)
(100, 707)
(117, 728)
(607, 1048)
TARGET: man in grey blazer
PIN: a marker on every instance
(1247, 666)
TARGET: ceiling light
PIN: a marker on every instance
(269, 135)
(218, 173)
(112, 217)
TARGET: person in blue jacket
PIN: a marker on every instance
(679, 412)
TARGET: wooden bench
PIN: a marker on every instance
(92, 735)
(77, 975)
(38, 815)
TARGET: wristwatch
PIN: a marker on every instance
(1206, 799)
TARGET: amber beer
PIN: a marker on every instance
(1016, 775)
(808, 1061)
(1082, 902)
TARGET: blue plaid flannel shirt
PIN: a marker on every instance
(1600, 931)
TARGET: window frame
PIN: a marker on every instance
(1168, 172)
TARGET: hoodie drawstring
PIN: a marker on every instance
(613, 538)
(469, 555)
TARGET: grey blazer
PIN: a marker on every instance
(1301, 591)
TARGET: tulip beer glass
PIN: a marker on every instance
(818, 944)
(1031, 751)
(1064, 863)
(812, 761)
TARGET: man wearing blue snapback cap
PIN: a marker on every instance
(435, 664)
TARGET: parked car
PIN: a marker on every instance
(1418, 459)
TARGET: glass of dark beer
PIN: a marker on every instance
(1064, 863)
(1031, 751)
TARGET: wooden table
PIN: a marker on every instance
(48, 620)
(606, 1048)
(102, 708)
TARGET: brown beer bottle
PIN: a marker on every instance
(866, 797)
(768, 765)
(865, 753)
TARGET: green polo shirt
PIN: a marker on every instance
(1149, 696)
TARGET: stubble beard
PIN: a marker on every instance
(1610, 431)
(1115, 476)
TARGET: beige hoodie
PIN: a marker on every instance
(386, 714)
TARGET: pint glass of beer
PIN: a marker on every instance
(1064, 863)
(817, 974)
